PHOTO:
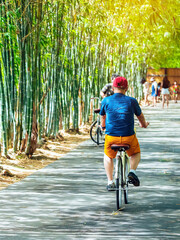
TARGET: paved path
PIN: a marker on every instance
(68, 200)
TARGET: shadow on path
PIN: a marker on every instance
(68, 199)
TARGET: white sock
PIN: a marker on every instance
(110, 182)
(132, 170)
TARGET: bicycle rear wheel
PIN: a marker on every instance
(96, 133)
(117, 194)
(118, 188)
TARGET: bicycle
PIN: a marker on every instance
(96, 133)
(121, 174)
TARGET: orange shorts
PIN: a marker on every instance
(130, 140)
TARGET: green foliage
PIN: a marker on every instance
(56, 55)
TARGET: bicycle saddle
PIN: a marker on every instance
(97, 110)
(120, 147)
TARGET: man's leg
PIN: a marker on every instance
(109, 167)
(134, 161)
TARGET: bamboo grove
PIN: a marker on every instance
(57, 54)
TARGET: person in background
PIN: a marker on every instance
(107, 89)
(175, 90)
(146, 91)
(165, 91)
(154, 91)
(159, 92)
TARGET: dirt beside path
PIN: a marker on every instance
(19, 166)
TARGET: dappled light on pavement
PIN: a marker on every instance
(68, 198)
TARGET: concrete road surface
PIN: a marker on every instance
(68, 198)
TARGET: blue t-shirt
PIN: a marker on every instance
(119, 110)
(154, 93)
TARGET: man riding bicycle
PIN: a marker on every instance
(117, 113)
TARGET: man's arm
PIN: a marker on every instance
(102, 94)
(103, 120)
(142, 121)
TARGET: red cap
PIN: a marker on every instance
(120, 82)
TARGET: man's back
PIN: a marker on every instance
(119, 110)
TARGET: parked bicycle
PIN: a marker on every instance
(96, 133)
(122, 168)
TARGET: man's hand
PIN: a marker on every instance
(145, 125)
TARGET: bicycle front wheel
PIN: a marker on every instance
(96, 133)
